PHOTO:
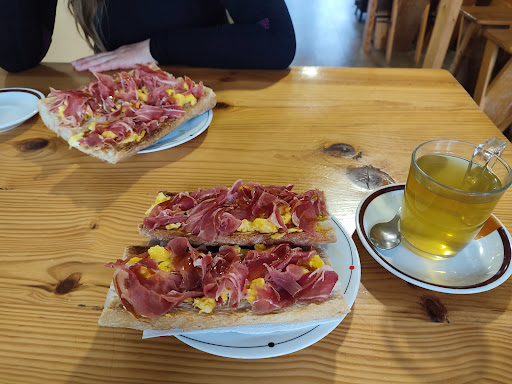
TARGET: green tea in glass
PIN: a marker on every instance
(448, 197)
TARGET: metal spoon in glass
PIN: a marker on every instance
(386, 235)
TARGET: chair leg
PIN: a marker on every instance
(486, 68)
(447, 13)
(369, 25)
(459, 55)
(461, 31)
(392, 28)
(421, 34)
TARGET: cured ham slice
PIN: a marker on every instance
(317, 285)
(219, 211)
(268, 280)
(150, 297)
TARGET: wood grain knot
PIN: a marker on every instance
(68, 284)
(340, 150)
(369, 177)
(436, 311)
(222, 105)
(93, 307)
(228, 79)
(32, 144)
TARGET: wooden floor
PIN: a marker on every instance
(330, 35)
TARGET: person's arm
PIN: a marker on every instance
(262, 36)
(26, 28)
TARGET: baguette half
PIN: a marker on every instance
(119, 152)
(185, 317)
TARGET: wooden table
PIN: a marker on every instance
(65, 214)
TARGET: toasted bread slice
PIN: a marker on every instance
(187, 318)
(119, 152)
(326, 234)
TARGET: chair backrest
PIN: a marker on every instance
(498, 97)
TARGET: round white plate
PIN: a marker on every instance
(185, 132)
(345, 261)
(483, 265)
(16, 106)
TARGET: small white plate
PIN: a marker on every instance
(345, 261)
(483, 265)
(185, 132)
(16, 106)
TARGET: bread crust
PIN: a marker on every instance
(302, 239)
(123, 151)
(186, 318)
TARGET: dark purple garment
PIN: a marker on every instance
(26, 28)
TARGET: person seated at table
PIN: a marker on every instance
(207, 33)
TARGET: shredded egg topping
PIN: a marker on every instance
(204, 304)
(163, 256)
(252, 292)
(160, 198)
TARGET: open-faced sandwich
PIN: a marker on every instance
(179, 286)
(245, 214)
(116, 116)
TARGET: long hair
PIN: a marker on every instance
(86, 13)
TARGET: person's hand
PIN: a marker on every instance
(123, 57)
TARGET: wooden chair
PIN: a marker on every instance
(406, 15)
(478, 19)
(403, 18)
(495, 98)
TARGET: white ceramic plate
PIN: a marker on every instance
(16, 106)
(185, 132)
(483, 265)
(345, 260)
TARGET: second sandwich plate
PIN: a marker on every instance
(185, 132)
(345, 260)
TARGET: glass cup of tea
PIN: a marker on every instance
(449, 196)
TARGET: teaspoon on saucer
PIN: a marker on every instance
(386, 235)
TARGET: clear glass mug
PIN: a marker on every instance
(443, 207)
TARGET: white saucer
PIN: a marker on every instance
(483, 265)
(16, 106)
(185, 132)
(345, 260)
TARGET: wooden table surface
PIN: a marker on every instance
(344, 130)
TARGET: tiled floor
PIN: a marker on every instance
(329, 34)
